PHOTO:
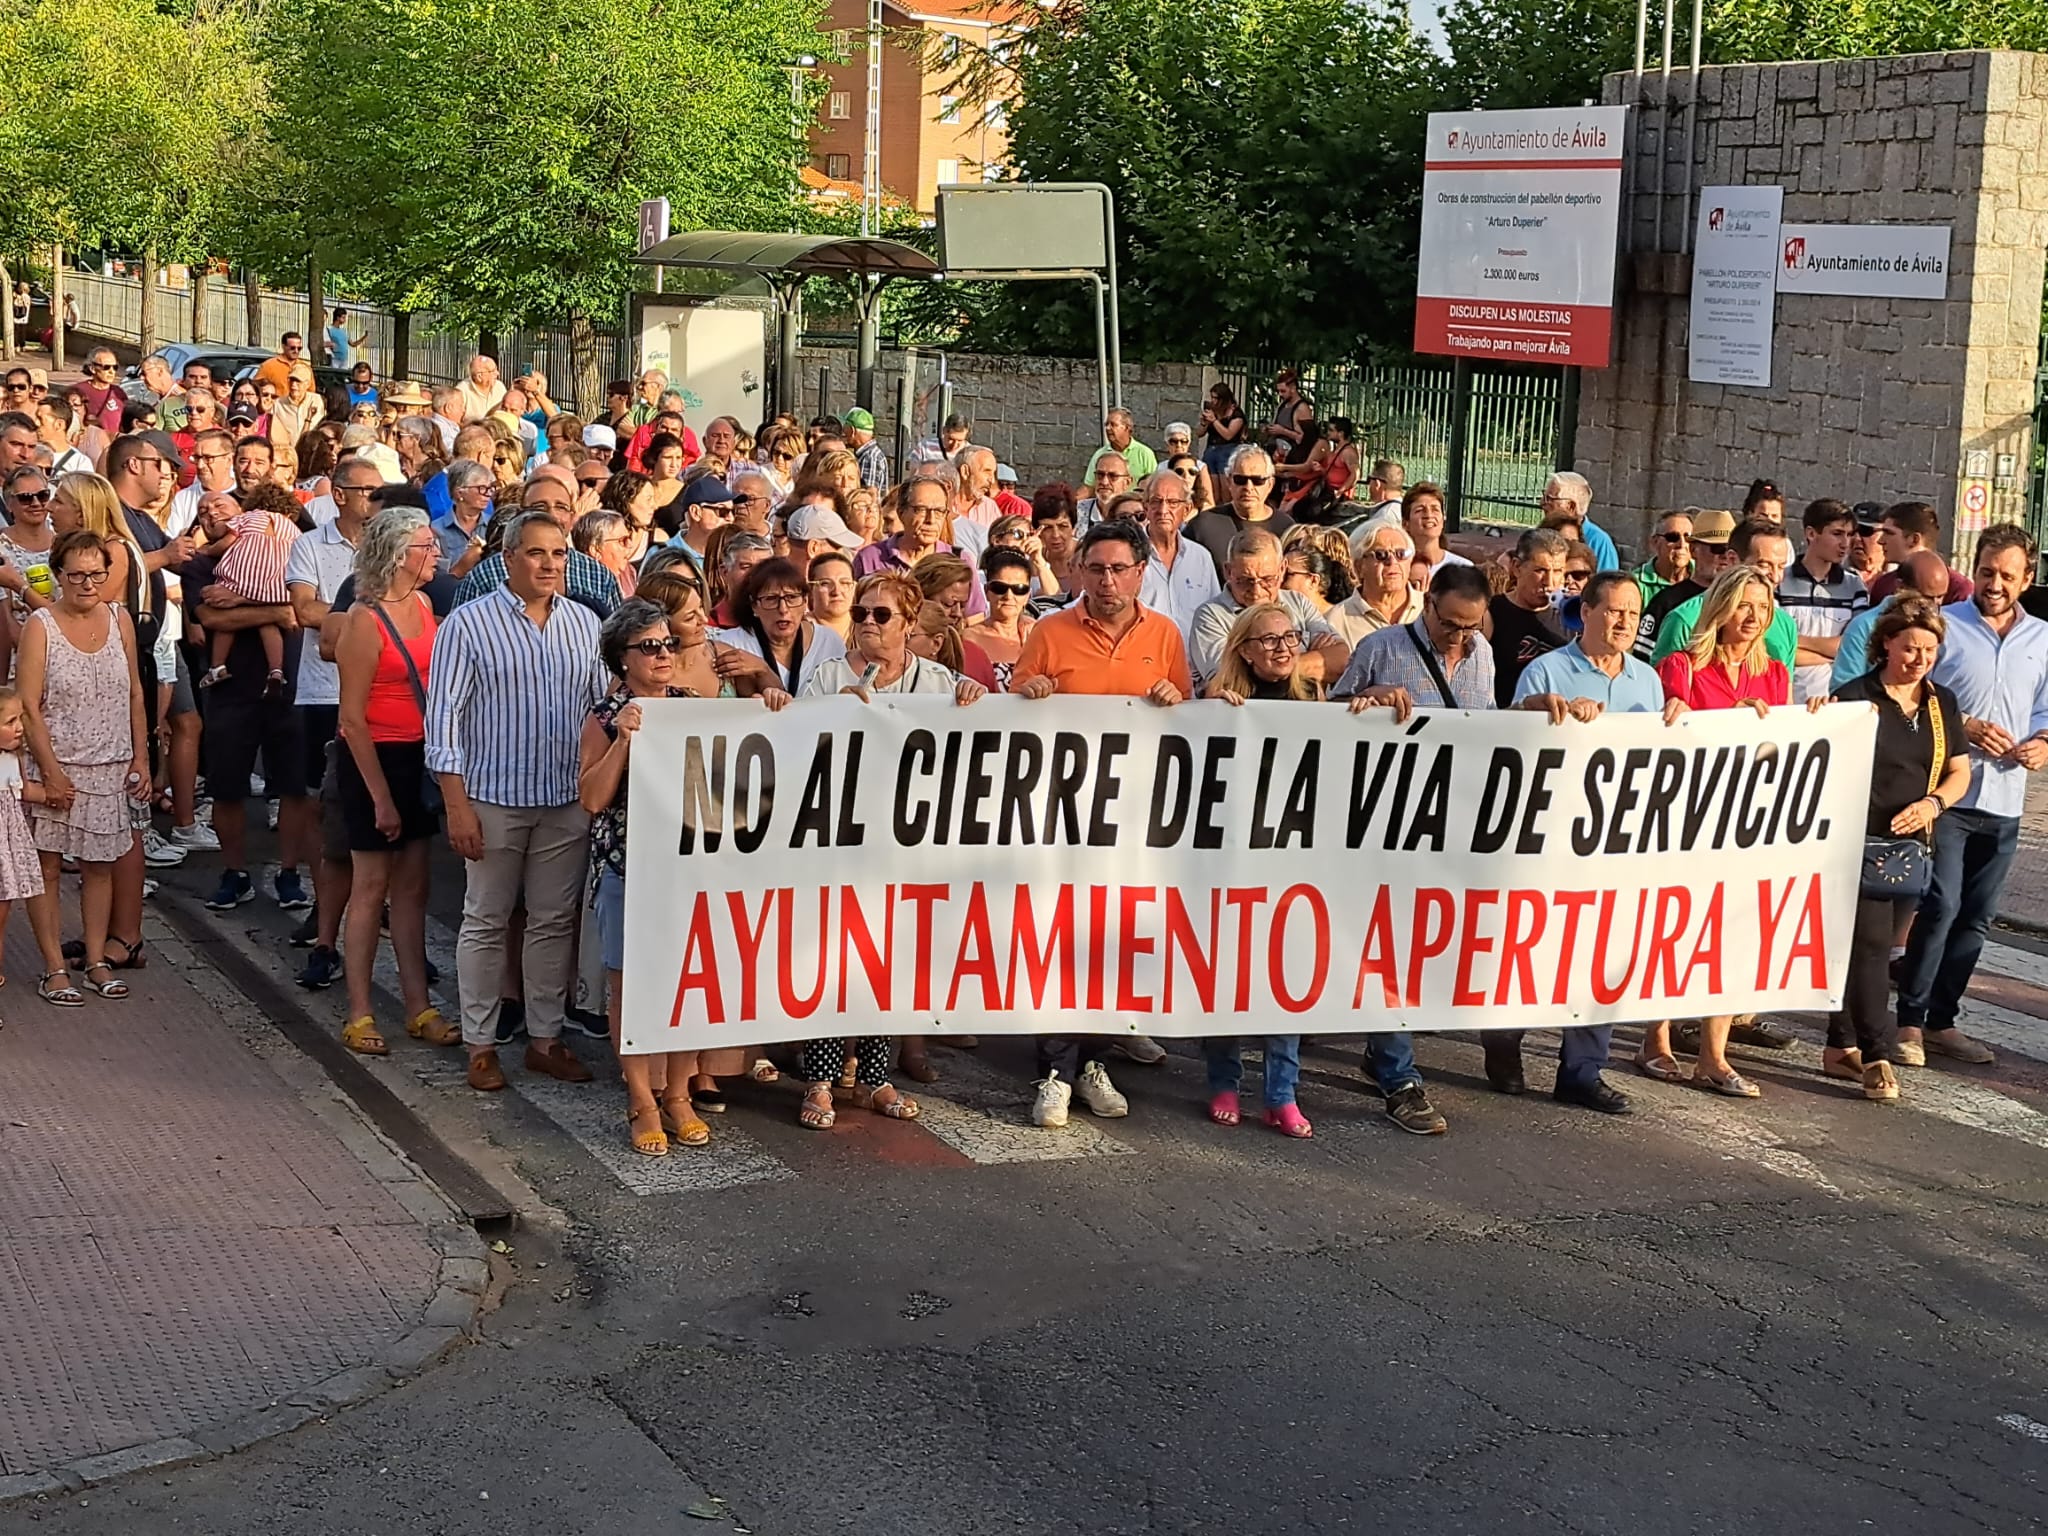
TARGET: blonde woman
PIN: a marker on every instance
(836, 467)
(1261, 659)
(1724, 666)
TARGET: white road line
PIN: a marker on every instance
(2033, 1429)
(2011, 961)
(594, 1113)
(1005, 1134)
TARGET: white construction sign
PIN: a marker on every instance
(1521, 221)
(1734, 286)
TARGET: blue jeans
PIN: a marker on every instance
(1581, 1050)
(1390, 1061)
(1972, 853)
(1283, 1066)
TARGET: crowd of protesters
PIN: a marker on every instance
(436, 613)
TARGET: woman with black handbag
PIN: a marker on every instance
(1919, 768)
(389, 803)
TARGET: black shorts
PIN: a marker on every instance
(320, 723)
(237, 727)
(405, 765)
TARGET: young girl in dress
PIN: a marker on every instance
(21, 872)
(253, 551)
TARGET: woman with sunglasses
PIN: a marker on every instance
(885, 615)
(631, 494)
(640, 647)
(780, 451)
(25, 544)
(1579, 564)
(1002, 631)
(1261, 660)
(678, 592)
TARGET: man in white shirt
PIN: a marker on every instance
(973, 509)
(482, 390)
(319, 563)
(1381, 554)
(1252, 574)
(1179, 577)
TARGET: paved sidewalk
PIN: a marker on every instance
(2025, 901)
(194, 1226)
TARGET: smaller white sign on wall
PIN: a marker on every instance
(1734, 286)
(1873, 261)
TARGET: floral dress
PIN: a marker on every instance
(85, 708)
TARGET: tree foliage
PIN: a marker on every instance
(490, 156)
(1265, 156)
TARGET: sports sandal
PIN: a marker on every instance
(66, 996)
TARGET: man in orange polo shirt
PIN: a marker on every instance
(1107, 643)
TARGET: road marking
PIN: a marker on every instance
(594, 1114)
(2011, 960)
(2005, 1028)
(2033, 1429)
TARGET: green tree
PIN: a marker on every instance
(1535, 53)
(1266, 161)
(491, 155)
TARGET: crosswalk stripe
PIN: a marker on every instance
(2015, 962)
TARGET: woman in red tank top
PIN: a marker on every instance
(386, 644)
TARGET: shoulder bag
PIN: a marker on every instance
(430, 783)
(1436, 671)
(1899, 868)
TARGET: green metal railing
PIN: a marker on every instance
(1408, 413)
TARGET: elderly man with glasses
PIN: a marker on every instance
(1381, 555)
(104, 399)
(1179, 577)
(1252, 573)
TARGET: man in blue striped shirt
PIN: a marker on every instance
(514, 674)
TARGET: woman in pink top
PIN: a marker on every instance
(1725, 665)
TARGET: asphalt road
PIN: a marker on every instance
(1711, 1318)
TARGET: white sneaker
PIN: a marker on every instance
(148, 889)
(1142, 1049)
(159, 852)
(197, 838)
(1050, 1109)
(1100, 1094)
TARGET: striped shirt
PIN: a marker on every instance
(588, 582)
(1391, 658)
(254, 565)
(506, 699)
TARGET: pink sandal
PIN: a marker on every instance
(1289, 1121)
(1223, 1108)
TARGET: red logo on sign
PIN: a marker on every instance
(1454, 138)
(1976, 498)
(1795, 250)
(1714, 219)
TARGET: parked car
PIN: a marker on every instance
(226, 363)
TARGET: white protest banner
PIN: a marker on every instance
(1865, 261)
(1521, 222)
(1080, 864)
(1734, 286)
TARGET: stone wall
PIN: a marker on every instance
(1871, 399)
(1040, 414)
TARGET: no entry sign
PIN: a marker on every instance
(1521, 219)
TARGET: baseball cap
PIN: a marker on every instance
(38, 376)
(859, 420)
(1869, 516)
(385, 457)
(707, 492)
(598, 435)
(1713, 527)
(241, 416)
(163, 443)
(819, 522)
(1005, 475)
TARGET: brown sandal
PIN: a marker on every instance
(816, 1112)
(894, 1107)
(360, 1036)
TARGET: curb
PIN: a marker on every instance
(448, 1320)
(2028, 926)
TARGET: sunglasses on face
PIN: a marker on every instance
(1675, 538)
(32, 498)
(1251, 479)
(667, 647)
(880, 617)
(1006, 589)
(99, 367)
(1386, 556)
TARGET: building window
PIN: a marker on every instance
(839, 167)
(842, 43)
(949, 49)
(996, 117)
(949, 109)
(841, 107)
(948, 172)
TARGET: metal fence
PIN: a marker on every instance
(1408, 413)
(435, 354)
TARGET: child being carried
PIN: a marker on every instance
(251, 547)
